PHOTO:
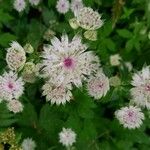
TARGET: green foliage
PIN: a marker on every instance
(126, 31)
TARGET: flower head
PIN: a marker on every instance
(34, 2)
(58, 95)
(67, 137)
(62, 6)
(19, 5)
(15, 106)
(89, 19)
(10, 86)
(28, 144)
(68, 62)
(141, 91)
(130, 117)
(15, 56)
(98, 85)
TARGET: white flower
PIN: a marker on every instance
(76, 5)
(58, 95)
(98, 85)
(28, 144)
(68, 62)
(115, 60)
(10, 86)
(15, 56)
(62, 6)
(89, 19)
(141, 91)
(15, 106)
(19, 5)
(67, 137)
(130, 117)
(34, 2)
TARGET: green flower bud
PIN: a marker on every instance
(28, 48)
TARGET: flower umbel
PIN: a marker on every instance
(11, 86)
(28, 144)
(58, 95)
(67, 137)
(15, 106)
(15, 56)
(141, 91)
(68, 62)
(19, 5)
(62, 6)
(98, 85)
(89, 19)
(130, 117)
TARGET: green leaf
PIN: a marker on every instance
(6, 38)
(124, 33)
(6, 117)
(5, 17)
(28, 117)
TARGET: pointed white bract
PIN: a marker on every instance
(57, 94)
(19, 5)
(68, 62)
(16, 56)
(89, 19)
(11, 86)
(28, 144)
(62, 6)
(15, 106)
(130, 117)
(141, 91)
(75, 6)
(98, 85)
(34, 2)
(67, 137)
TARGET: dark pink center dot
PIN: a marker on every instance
(68, 63)
(148, 88)
(130, 114)
(10, 85)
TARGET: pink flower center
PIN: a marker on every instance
(148, 88)
(100, 85)
(130, 114)
(63, 5)
(68, 63)
(10, 85)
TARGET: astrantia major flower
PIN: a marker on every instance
(141, 91)
(11, 86)
(130, 117)
(15, 56)
(76, 5)
(98, 85)
(67, 137)
(19, 5)
(68, 62)
(34, 2)
(62, 6)
(89, 19)
(57, 94)
(15, 106)
(28, 144)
